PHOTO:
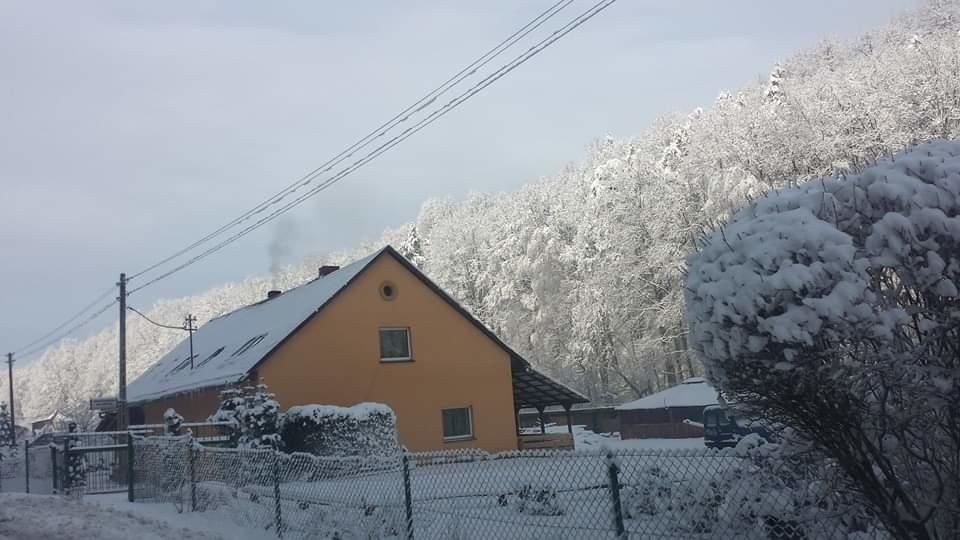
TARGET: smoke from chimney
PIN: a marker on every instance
(282, 246)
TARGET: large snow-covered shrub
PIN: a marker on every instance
(833, 307)
(366, 429)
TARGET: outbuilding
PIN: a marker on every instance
(662, 415)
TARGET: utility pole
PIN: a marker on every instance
(188, 326)
(122, 390)
(13, 416)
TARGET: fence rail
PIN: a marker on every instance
(472, 494)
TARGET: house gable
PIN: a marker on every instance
(334, 358)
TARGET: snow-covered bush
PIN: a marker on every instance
(253, 414)
(366, 429)
(647, 493)
(368, 522)
(533, 500)
(833, 308)
(172, 422)
(76, 466)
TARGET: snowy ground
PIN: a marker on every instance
(216, 524)
(458, 498)
(45, 517)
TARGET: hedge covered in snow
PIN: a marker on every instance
(833, 307)
(366, 429)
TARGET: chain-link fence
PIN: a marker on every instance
(473, 494)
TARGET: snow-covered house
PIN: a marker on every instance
(662, 415)
(377, 330)
(55, 421)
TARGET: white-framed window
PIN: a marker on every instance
(395, 345)
(457, 423)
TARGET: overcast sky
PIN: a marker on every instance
(130, 129)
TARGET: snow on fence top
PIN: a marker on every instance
(227, 347)
(359, 412)
(364, 429)
(693, 392)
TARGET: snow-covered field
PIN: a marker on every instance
(47, 517)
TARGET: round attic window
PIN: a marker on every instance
(388, 291)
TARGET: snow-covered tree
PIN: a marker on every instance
(259, 418)
(774, 90)
(231, 402)
(6, 436)
(832, 307)
(255, 414)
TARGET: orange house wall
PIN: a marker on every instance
(335, 359)
(194, 406)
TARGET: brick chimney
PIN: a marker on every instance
(326, 270)
(273, 294)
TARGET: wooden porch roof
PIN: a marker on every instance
(534, 389)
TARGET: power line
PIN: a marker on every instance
(76, 316)
(377, 133)
(303, 181)
(67, 332)
(153, 322)
(437, 114)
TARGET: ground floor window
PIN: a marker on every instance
(457, 424)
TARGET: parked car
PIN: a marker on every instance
(722, 428)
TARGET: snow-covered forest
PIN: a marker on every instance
(582, 271)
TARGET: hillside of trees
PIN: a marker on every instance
(581, 271)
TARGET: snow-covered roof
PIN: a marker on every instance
(45, 418)
(228, 347)
(693, 392)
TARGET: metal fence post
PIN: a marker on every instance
(193, 476)
(278, 517)
(613, 475)
(67, 480)
(53, 466)
(407, 499)
(26, 465)
(130, 456)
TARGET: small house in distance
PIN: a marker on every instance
(662, 415)
(377, 330)
(55, 421)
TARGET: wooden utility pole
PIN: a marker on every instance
(122, 387)
(189, 327)
(13, 422)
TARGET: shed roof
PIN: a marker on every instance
(534, 389)
(693, 392)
